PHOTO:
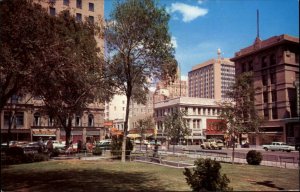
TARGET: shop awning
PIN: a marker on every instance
(44, 132)
(133, 135)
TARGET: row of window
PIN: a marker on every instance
(190, 111)
(19, 120)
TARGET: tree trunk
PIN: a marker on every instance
(123, 158)
(233, 147)
(68, 129)
(10, 123)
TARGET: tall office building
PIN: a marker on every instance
(31, 122)
(211, 79)
(275, 66)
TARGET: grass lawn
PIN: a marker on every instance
(102, 175)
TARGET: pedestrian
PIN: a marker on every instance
(79, 146)
(50, 146)
(41, 145)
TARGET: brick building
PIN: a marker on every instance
(275, 66)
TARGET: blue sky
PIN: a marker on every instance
(199, 27)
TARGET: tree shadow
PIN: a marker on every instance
(268, 184)
(85, 180)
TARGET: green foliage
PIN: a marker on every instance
(15, 151)
(97, 151)
(254, 157)
(139, 50)
(25, 40)
(116, 147)
(55, 152)
(176, 126)
(206, 176)
(143, 125)
(24, 158)
(239, 115)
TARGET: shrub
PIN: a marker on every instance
(116, 147)
(25, 158)
(97, 151)
(14, 151)
(254, 157)
(55, 152)
(206, 176)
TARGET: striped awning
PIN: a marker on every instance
(44, 132)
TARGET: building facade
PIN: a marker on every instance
(178, 88)
(30, 120)
(211, 79)
(201, 113)
(275, 66)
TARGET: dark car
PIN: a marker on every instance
(104, 144)
(32, 147)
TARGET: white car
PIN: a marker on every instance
(279, 146)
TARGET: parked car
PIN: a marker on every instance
(278, 146)
(104, 144)
(57, 144)
(32, 147)
(153, 143)
(212, 144)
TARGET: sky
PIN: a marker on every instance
(199, 27)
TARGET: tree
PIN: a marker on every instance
(143, 125)
(239, 115)
(139, 50)
(26, 40)
(75, 77)
(176, 126)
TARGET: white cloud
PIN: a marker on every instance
(174, 42)
(188, 12)
(200, 1)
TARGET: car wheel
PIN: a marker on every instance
(266, 149)
(288, 151)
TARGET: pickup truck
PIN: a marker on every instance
(278, 146)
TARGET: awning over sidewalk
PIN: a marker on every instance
(44, 132)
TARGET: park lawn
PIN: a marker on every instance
(104, 175)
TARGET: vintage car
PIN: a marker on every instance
(212, 144)
(278, 146)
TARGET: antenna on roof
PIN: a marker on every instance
(257, 23)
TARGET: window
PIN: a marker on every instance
(19, 119)
(266, 113)
(91, 7)
(91, 19)
(264, 79)
(272, 59)
(90, 120)
(273, 78)
(78, 17)
(79, 4)
(36, 121)
(274, 96)
(77, 121)
(265, 95)
(66, 2)
(263, 61)
(52, 11)
(50, 121)
(274, 113)
(250, 66)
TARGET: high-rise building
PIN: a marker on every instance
(31, 121)
(275, 66)
(211, 79)
(165, 90)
